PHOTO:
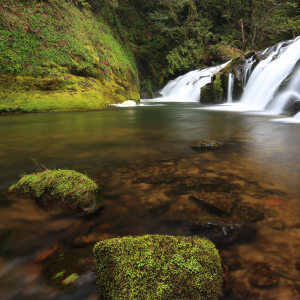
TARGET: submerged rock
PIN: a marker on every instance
(248, 212)
(208, 144)
(67, 186)
(277, 224)
(221, 201)
(263, 275)
(255, 190)
(168, 267)
(223, 232)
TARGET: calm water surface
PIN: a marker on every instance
(140, 156)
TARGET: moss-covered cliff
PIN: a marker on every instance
(58, 55)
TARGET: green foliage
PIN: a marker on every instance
(59, 274)
(70, 279)
(66, 185)
(158, 267)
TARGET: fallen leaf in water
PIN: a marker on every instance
(274, 202)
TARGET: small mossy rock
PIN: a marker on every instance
(221, 201)
(158, 267)
(209, 144)
(226, 53)
(207, 95)
(263, 275)
(67, 185)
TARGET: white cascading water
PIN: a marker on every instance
(230, 87)
(269, 74)
(259, 88)
(187, 88)
(292, 90)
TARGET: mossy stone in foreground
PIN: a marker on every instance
(158, 267)
(67, 185)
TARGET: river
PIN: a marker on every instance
(139, 156)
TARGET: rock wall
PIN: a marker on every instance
(58, 56)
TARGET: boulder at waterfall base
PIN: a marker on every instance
(158, 267)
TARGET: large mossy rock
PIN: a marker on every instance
(207, 95)
(158, 267)
(213, 92)
(66, 185)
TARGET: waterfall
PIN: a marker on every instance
(230, 87)
(187, 88)
(291, 92)
(269, 74)
(247, 70)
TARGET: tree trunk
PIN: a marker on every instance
(243, 34)
(250, 17)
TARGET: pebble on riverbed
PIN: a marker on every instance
(207, 144)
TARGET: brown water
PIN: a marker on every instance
(141, 158)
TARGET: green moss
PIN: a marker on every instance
(158, 267)
(67, 185)
(56, 47)
(227, 53)
(217, 87)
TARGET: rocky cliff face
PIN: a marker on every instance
(57, 56)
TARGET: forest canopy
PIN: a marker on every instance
(170, 37)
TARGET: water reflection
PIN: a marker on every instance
(141, 158)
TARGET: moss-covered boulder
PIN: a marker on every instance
(66, 185)
(158, 267)
(207, 95)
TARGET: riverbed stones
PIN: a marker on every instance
(158, 266)
(255, 190)
(248, 212)
(298, 263)
(223, 232)
(263, 275)
(277, 224)
(233, 262)
(222, 201)
(206, 144)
